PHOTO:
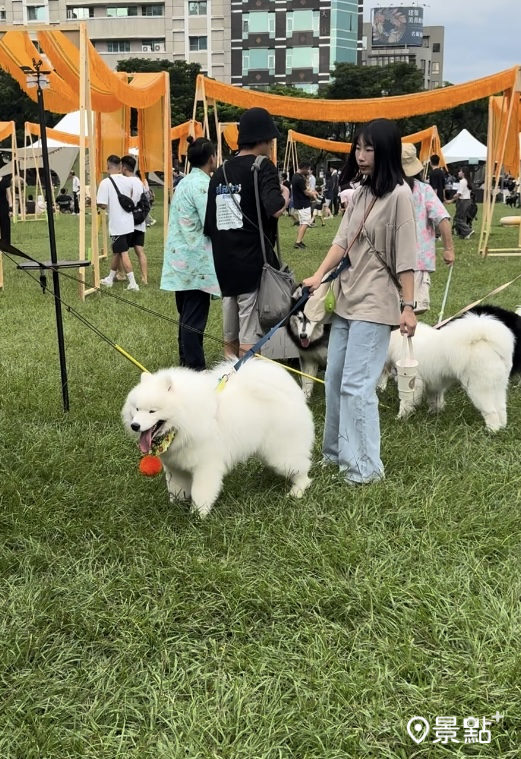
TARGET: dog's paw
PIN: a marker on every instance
(299, 488)
(200, 511)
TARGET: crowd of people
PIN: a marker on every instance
(391, 220)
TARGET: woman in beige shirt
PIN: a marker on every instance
(368, 303)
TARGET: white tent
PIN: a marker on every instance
(61, 155)
(464, 147)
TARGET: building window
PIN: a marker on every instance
(80, 12)
(426, 42)
(260, 22)
(302, 58)
(152, 46)
(435, 84)
(423, 64)
(118, 46)
(302, 21)
(198, 8)
(3, 15)
(120, 11)
(309, 88)
(37, 13)
(435, 69)
(258, 59)
(436, 47)
(153, 10)
(198, 43)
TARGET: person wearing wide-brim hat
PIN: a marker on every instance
(431, 214)
(231, 224)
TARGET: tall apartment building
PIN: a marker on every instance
(428, 57)
(197, 31)
(294, 42)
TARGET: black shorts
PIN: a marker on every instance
(136, 238)
(120, 243)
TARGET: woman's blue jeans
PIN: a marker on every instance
(355, 360)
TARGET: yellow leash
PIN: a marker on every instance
(129, 357)
(290, 369)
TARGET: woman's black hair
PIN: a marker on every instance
(199, 151)
(384, 137)
(466, 174)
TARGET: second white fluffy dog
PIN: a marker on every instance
(478, 351)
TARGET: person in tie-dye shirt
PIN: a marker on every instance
(431, 214)
(188, 267)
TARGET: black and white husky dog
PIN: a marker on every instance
(311, 340)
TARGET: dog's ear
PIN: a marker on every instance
(297, 292)
(145, 376)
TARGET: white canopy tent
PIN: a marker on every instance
(464, 147)
(61, 155)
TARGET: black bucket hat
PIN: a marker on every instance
(256, 125)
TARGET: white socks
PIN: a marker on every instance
(131, 278)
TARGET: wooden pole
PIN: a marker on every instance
(167, 126)
(220, 144)
(514, 94)
(83, 178)
(487, 199)
(206, 124)
(93, 172)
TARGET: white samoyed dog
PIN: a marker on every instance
(204, 432)
(477, 351)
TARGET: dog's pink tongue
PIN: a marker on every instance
(145, 441)
(305, 342)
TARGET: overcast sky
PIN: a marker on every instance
(481, 36)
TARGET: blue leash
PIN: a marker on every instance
(344, 263)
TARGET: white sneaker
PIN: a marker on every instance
(107, 281)
(134, 287)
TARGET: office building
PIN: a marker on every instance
(197, 31)
(292, 42)
(428, 57)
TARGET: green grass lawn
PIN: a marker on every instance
(275, 628)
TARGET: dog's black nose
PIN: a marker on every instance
(135, 426)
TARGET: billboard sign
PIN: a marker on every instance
(397, 27)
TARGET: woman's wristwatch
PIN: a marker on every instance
(410, 303)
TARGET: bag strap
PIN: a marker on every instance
(118, 191)
(256, 168)
(344, 261)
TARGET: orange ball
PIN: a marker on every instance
(150, 466)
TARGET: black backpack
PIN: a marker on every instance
(473, 208)
(142, 208)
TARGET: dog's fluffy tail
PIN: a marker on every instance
(484, 333)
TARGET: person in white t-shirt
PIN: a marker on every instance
(137, 240)
(463, 200)
(121, 222)
(75, 192)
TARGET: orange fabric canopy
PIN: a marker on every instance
(17, 50)
(7, 129)
(429, 139)
(54, 134)
(359, 110)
